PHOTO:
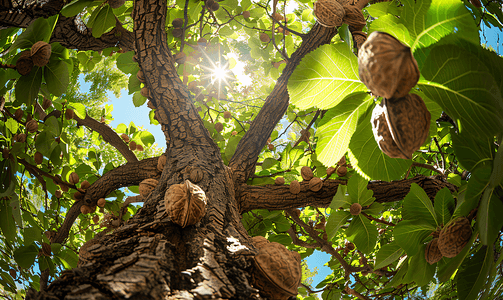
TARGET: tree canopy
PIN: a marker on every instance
(268, 125)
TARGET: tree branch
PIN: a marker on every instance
(72, 33)
(108, 135)
(13, 14)
(275, 197)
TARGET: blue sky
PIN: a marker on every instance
(125, 112)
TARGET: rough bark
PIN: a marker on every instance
(23, 13)
(274, 197)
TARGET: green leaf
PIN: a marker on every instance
(126, 64)
(357, 189)
(56, 76)
(417, 206)
(390, 24)
(479, 180)
(473, 273)
(428, 21)
(25, 255)
(12, 125)
(325, 77)
(32, 234)
(369, 161)
(489, 218)
(27, 86)
(375, 209)
(399, 276)
(147, 138)
(290, 156)
(335, 221)
(444, 206)
(39, 30)
(268, 163)
(362, 233)
(79, 109)
(104, 21)
(340, 198)
(459, 82)
(51, 125)
(334, 136)
(379, 10)
(471, 149)
(387, 255)
(138, 99)
(75, 7)
(7, 223)
(409, 235)
(45, 143)
(421, 271)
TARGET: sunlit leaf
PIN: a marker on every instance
(409, 235)
(362, 233)
(387, 255)
(334, 136)
(104, 21)
(335, 221)
(417, 206)
(357, 189)
(325, 77)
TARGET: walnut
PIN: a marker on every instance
(386, 66)
(315, 184)
(294, 187)
(39, 158)
(24, 63)
(359, 37)
(73, 178)
(354, 18)
(185, 203)
(46, 103)
(277, 270)
(330, 171)
(401, 126)
(342, 171)
(432, 253)
(329, 13)
(46, 249)
(102, 202)
(306, 173)
(40, 53)
(116, 3)
(85, 185)
(147, 186)
(279, 181)
(32, 125)
(454, 237)
(145, 92)
(355, 209)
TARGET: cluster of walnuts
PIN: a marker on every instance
(451, 240)
(401, 122)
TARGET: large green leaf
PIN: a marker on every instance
(324, 77)
(40, 30)
(126, 64)
(459, 82)
(334, 136)
(479, 180)
(420, 271)
(379, 10)
(340, 198)
(489, 218)
(7, 224)
(473, 273)
(428, 21)
(147, 138)
(409, 235)
(25, 255)
(335, 221)
(417, 206)
(45, 143)
(358, 191)
(362, 233)
(104, 21)
(444, 206)
(391, 24)
(471, 149)
(27, 87)
(75, 7)
(369, 161)
(387, 255)
(56, 76)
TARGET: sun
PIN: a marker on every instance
(220, 73)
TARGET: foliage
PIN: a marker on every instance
(328, 119)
